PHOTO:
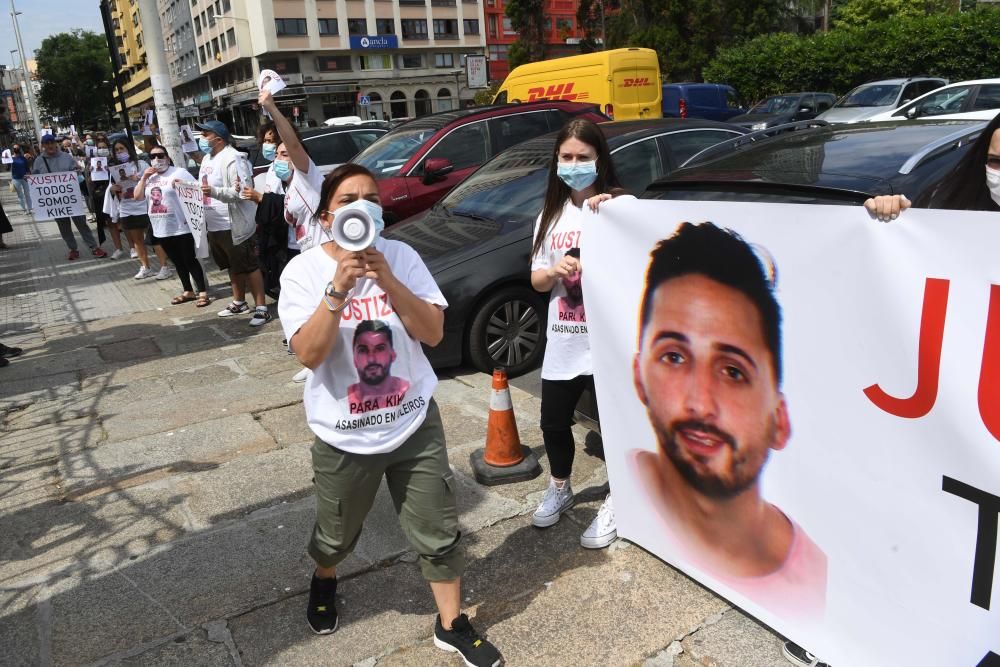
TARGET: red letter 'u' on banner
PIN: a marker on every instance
(928, 358)
(989, 374)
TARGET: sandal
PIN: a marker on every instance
(178, 300)
(202, 301)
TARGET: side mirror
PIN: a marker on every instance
(806, 110)
(436, 168)
(912, 112)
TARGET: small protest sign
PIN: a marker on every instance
(56, 195)
(99, 169)
(188, 143)
(193, 209)
(272, 81)
(126, 177)
(7, 157)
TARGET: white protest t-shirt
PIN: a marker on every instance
(216, 211)
(301, 204)
(126, 175)
(164, 206)
(372, 392)
(567, 353)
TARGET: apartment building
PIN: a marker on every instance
(16, 123)
(190, 87)
(562, 34)
(405, 57)
(135, 72)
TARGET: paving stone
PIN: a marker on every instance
(129, 350)
(19, 635)
(189, 338)
(33, 389)
(190, 650)
(287, 425)
(204, 376)
(733, 641)
(53, 364)
(270, 362)
(35, 446)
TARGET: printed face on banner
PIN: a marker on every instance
(373, 355)
(707, 370)
(271, 80)
(125, 176)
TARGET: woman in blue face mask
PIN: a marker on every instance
(580, 177)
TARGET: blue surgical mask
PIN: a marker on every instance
(373, 210)
(269, 151)
(578, 175)
(281, 169)
(204, 146)
(123, 156)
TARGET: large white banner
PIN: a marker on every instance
(835, 470)
(194, 213)
(56, 195)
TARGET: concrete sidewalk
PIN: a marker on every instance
(155, 502)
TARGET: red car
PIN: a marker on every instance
(420, 161)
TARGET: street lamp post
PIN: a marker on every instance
(27, 77)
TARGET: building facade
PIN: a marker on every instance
(561, 33)
(134, 74)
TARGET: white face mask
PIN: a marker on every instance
(993, 183)
(160, 164)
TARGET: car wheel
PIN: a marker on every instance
(508, 331)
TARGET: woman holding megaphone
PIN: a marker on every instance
(356, 309)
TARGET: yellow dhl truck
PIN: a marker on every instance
(624, 82)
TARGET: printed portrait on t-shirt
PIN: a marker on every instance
(373, 353)
(708, 371)
(571, 306)
(156, 203)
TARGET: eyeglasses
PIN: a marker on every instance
(993, 162)
(157, 155)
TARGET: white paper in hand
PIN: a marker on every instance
(272, 82)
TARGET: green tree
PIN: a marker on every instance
(527, 18)
(859, 13)
(76, 80)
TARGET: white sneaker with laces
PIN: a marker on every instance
(302, 375)
(554, 503)
(602, 531)
(133, 253)
(117, 254)
(144, 272)
(164, 273)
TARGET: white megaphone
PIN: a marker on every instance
(353, 229)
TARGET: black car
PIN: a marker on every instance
(788, 108)
(476, 241)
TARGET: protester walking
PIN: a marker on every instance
(126, 169)
(53, 160)
(580, 176)
(358, 319)
(19, 169)
(169, 225)
(229, 218)
(98, 190)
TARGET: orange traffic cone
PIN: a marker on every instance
(505, 459)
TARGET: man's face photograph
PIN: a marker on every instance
(574, 287)
(156, 196)
(707, 379)
(373, 357)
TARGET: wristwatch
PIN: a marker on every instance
(334, 294)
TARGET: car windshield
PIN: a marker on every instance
(872, 95)
(511, 186)
(777, 104)
(387, 156)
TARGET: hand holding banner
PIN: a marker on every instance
(56, 195)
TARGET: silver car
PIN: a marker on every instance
(872, 99)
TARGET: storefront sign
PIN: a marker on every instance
(374, 42)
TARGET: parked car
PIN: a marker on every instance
(329, 147)
(420, 161)
(477, 240)
(781, 109)
(871, 99)
(829, 164)
(975, 100)
(712, 101)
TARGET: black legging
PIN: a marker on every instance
(181, 251)
(559, 399)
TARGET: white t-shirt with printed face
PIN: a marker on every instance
(163, 204)
(567, 353)
(301, 203)
(372, 392)
(216, 212)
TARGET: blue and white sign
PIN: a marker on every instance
(374, 42)
(364, 101)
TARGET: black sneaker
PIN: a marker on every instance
(797, 655)
(463, 639)
(7, 351)
(322, 611)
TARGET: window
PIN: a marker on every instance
(385, 26)
(988, 98)
(364, 139)
(638, 165)
(333, 64)
(197, 25)
(226, 5)
(290, 26)
(328, 26)
(946, 100)
(564, 24)
(493, 25)
(414, 28)
(471, 26)
(444, 101)
(515, 128)
(446, 28)
(138, 39)
(135, 20)
(357, 27)
(825, 102)
(231, 36)
(683, 145)
(444, 60)
(508, 29)
(397, 106)
(211, 16)
(381, 61)
(330, 149)
(464, 147)
(201, 54)
(410, 61)
(215, 46)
